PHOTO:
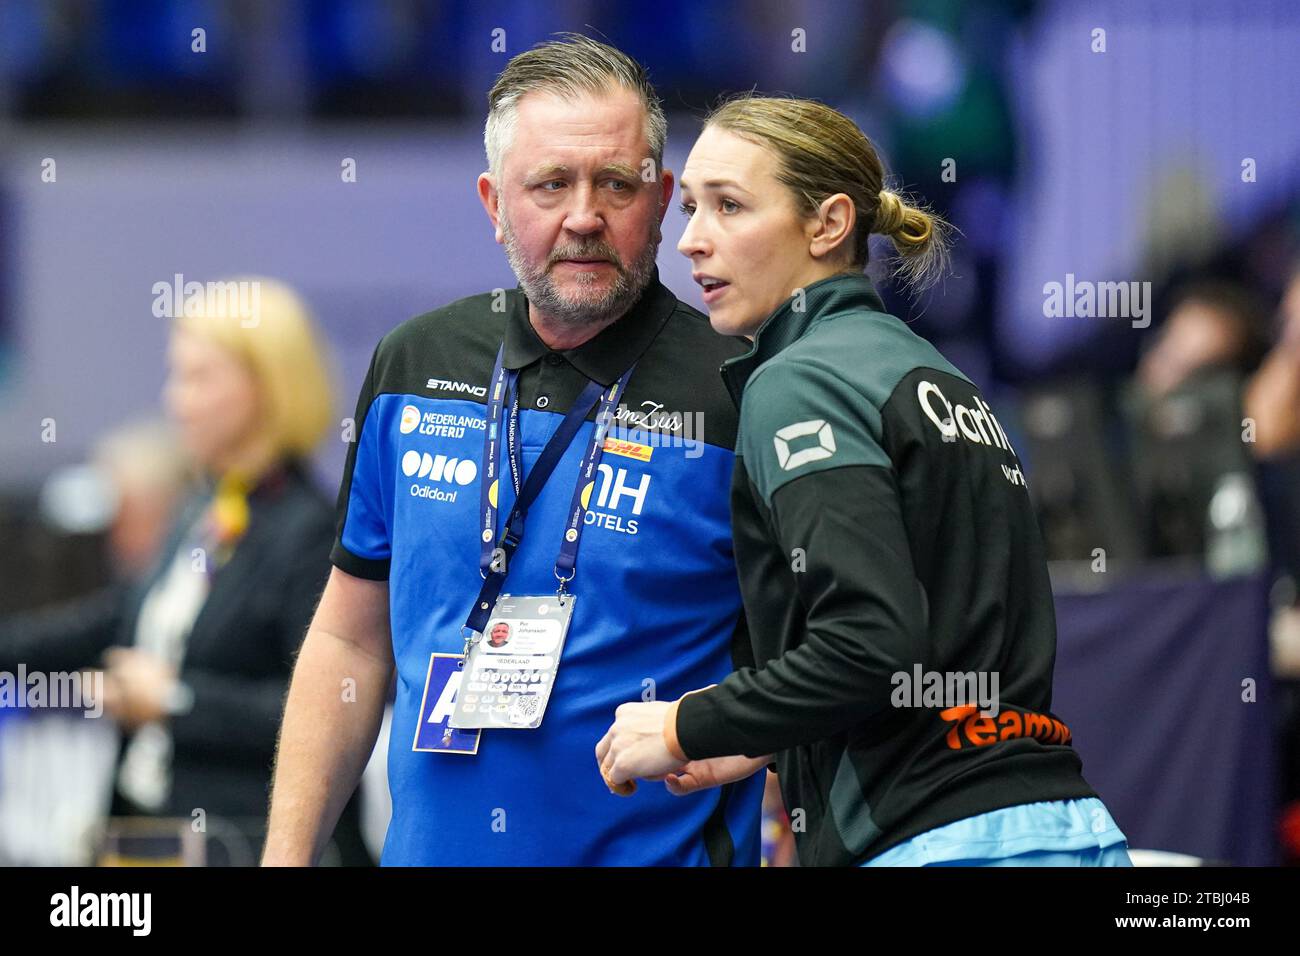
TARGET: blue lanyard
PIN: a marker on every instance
(503, 391)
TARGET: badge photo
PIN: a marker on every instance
(511, 667)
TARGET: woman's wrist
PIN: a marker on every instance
(670, 732)
(670, 725)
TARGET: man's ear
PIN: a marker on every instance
(833, 226)
(491, 200)
(667, 181)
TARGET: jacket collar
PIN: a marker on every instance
(271, 483)
(607, 355)
(822, 299)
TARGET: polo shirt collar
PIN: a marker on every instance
(606, 356)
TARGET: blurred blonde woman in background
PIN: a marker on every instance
(197, 658)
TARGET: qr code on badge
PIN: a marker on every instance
(524, 709)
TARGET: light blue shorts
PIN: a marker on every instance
(1048, 833)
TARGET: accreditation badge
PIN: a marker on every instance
(510, 670)
(441, 687)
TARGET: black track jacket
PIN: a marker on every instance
(885, 540)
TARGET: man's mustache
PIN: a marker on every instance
(596, 250)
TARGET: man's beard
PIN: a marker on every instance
(594, 307)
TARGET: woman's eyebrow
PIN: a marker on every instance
(717, 184)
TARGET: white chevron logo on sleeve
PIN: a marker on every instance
(824, 449)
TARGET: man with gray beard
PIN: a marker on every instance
(589, 303)
(495, 406)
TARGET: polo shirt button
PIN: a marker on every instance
(542, 401)
(553, 359)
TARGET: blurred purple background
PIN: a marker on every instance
(229, 162)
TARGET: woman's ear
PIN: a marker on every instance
(833, 226)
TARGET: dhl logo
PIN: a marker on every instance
(969, 728)
(628, 449)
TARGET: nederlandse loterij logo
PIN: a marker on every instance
(437, 424)
(410, 419)
(824, 448)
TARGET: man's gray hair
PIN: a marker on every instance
(568, 67)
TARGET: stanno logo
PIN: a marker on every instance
(824, 448)
(442, 384)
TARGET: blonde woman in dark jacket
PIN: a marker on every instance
(197, 658)
(893, 575)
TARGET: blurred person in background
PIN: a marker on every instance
(1273, 393)
(1213, 325)
(127, 495)
(141, 475)
(56, 770)
(1185, 414)
(778, 838)
(1272, 405)
(1272, 401)
(147, 473)
(198, 655)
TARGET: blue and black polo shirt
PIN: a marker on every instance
(658, 611)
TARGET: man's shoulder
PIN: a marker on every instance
(679, 375)
(686, 356)
(688, 329)
(471, 315)
(453, 339)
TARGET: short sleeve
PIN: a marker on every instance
(362, 543)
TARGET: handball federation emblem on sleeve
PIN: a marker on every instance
(824, 448)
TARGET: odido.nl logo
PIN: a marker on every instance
(437, 469)
(433, 470)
